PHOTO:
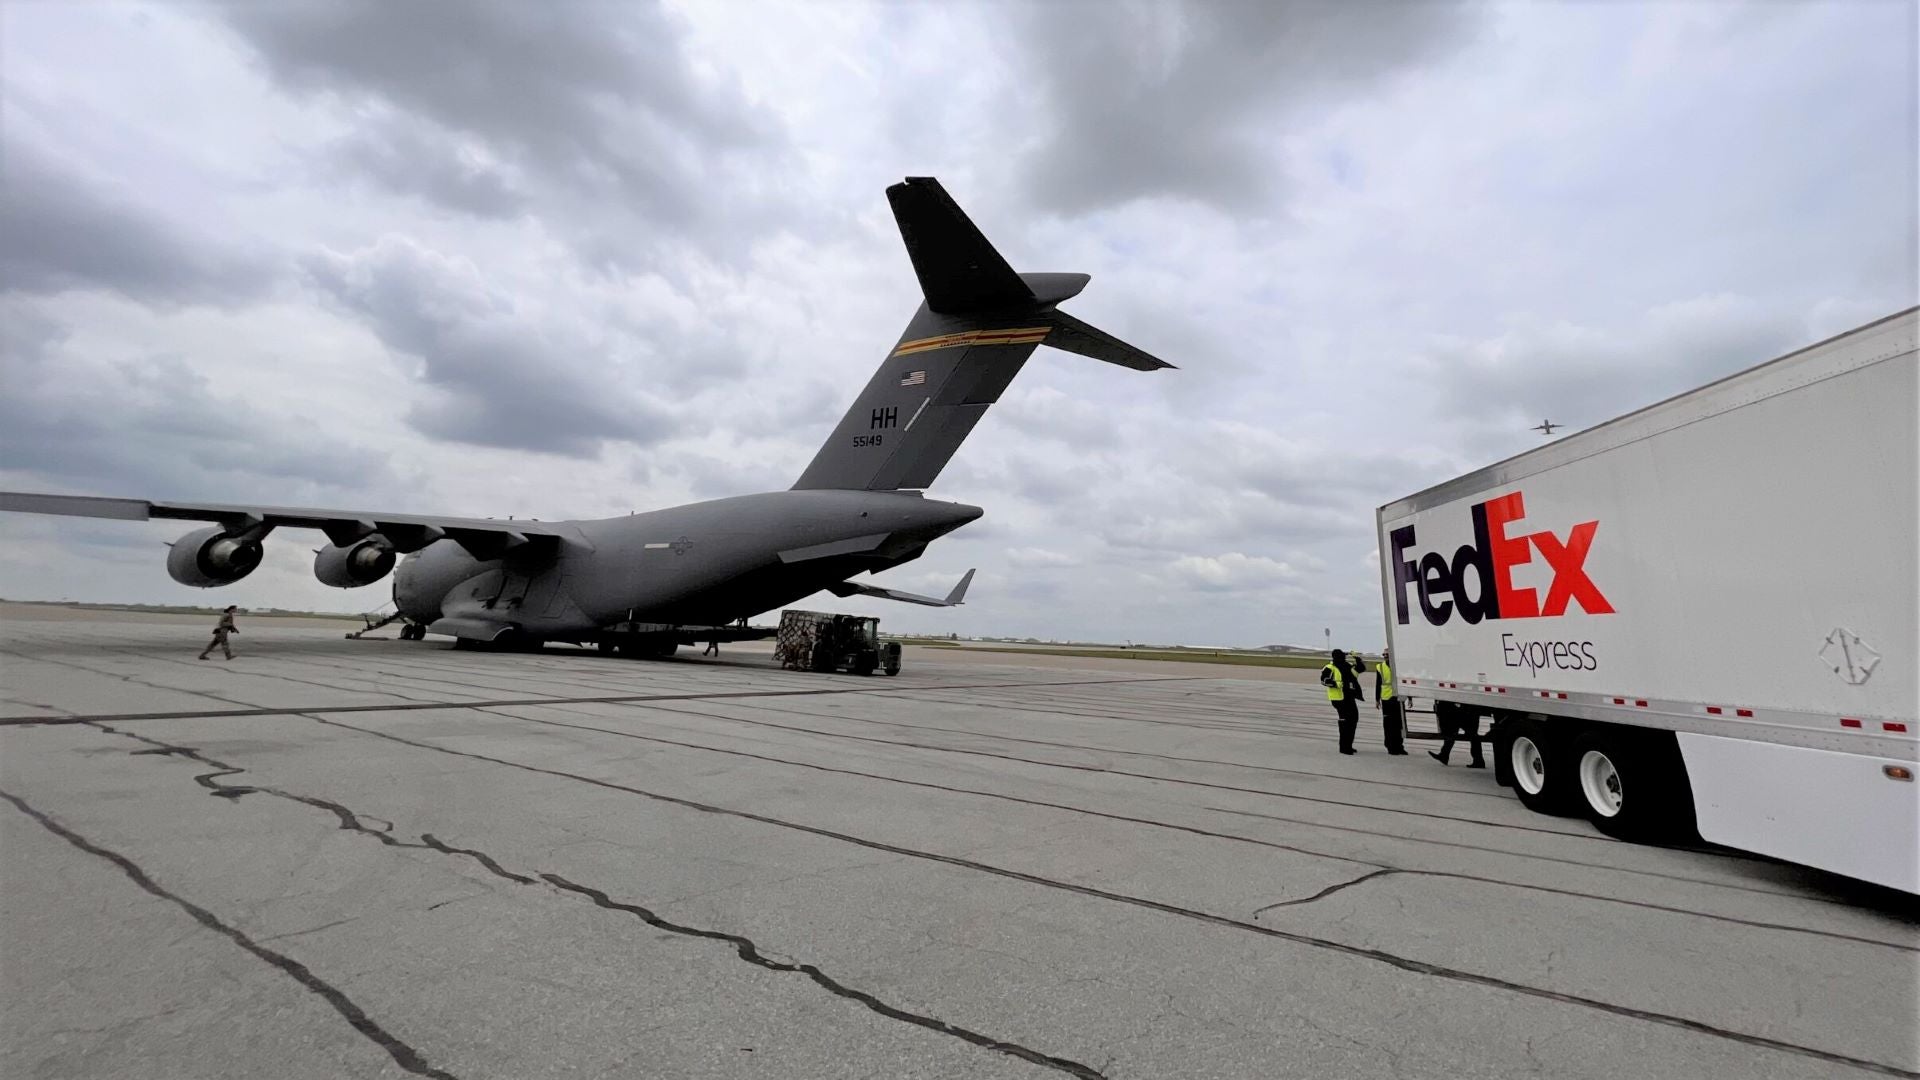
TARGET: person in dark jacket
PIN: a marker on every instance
(1456, 721)
(220, 631)
(1343, 691)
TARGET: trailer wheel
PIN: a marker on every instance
(1539, 766)
(1633, 787)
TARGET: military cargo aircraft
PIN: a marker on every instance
(648, 582)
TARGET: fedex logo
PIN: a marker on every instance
(1442, 585)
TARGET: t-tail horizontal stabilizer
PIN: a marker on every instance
(954, 598)
(979, 323)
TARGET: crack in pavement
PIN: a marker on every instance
(349, 820)
(403, 1055)
(1371, 955)
(751, 953)
(745, 947)
(1328, 891)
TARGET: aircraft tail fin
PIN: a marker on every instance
(959, 270)
(972, 334)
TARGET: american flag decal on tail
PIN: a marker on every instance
(914, 378)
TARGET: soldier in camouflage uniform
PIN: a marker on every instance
(220, 631)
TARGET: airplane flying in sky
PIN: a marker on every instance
(1545, 427)
(646, 582)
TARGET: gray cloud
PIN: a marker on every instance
(430, 164)
(1582, 375)
(1176, 100)
(594, 104)
(151, 426)
(502, 377)
(64, 231)
(715, 478)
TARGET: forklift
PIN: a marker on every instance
(822, 641)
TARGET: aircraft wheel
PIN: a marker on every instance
(606, 645)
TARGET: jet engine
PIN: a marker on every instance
(362, 562)
(212, 556)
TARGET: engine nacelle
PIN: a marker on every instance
(208, 557)
(362, 562)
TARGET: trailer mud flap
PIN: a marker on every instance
(1838, 812)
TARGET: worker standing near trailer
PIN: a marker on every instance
(1343, 691)
(1698, 616)
(1388, 702)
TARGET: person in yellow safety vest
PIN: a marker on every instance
(1384, 699)
(1343, 690)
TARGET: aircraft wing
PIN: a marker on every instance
(954, 598)
(485, 538)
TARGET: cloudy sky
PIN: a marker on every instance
(576, 259)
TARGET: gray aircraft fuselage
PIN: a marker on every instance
(702, 564)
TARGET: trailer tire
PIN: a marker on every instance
(1539, 764)
(1633, 785)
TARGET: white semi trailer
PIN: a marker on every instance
(1699, 615)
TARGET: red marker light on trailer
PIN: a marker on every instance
(1897, 772)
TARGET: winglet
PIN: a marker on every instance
(954, 598)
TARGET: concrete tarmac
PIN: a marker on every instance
(377, 858)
